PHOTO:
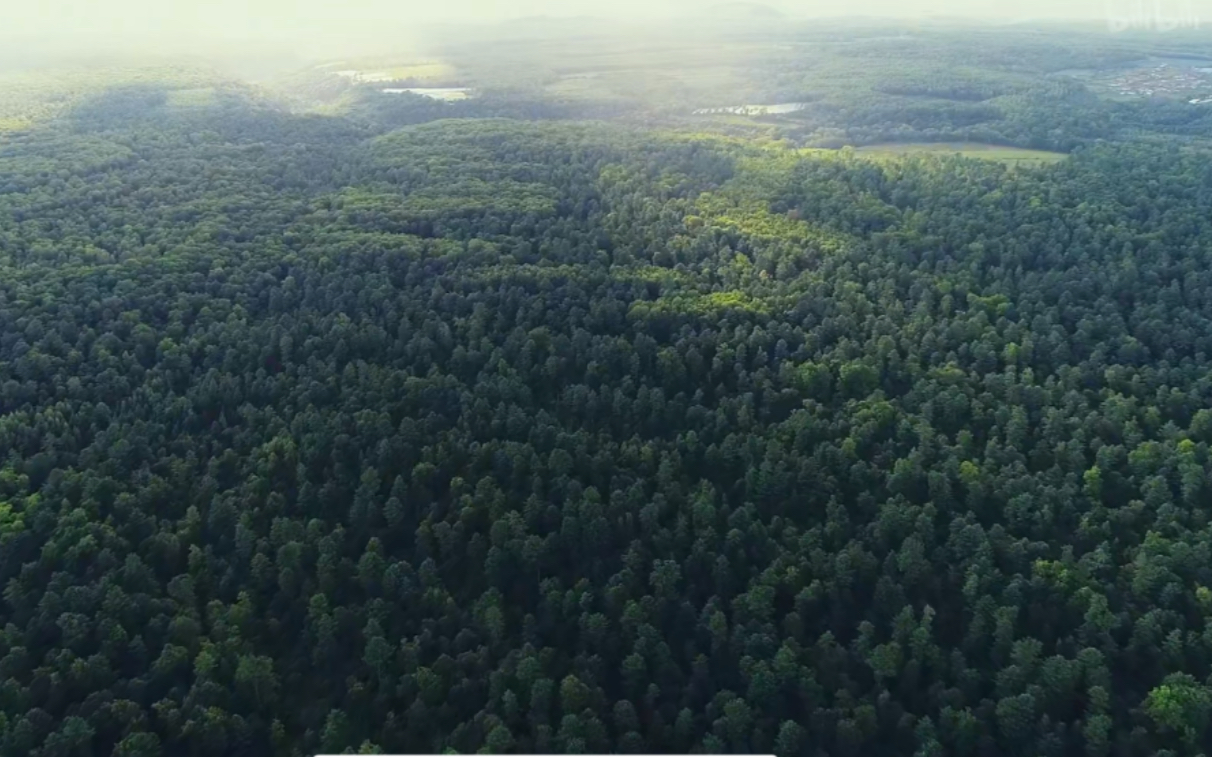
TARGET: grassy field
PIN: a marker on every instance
(1000, 153)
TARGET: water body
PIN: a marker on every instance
(437, 93)
(361, 77)
(753, 110)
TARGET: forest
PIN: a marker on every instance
(384, 431)
(861, 84)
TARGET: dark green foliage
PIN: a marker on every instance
(504, 436)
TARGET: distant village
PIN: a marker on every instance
(1163, 80)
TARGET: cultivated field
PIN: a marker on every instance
(1000, 153)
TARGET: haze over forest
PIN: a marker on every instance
(320, 27)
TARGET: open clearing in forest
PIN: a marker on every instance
(1000, 153)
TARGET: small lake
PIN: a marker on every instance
(753, 110)
(437, 93)
(364, 77)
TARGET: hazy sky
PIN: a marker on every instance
(171, 24)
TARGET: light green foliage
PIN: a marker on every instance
(1180, 704)
(699, 305)
(857, 379)
(815, 379)
(970, 473)
(886, 660)
(1092, 480)
(475, 196)
(11, 523)
(998, 153)
(758, 223)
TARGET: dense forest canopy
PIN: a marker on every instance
(384, 431)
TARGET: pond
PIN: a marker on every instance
(437, 93)
(753, 110)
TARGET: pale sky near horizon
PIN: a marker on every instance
(166, 24)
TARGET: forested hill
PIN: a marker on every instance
(494, 435)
